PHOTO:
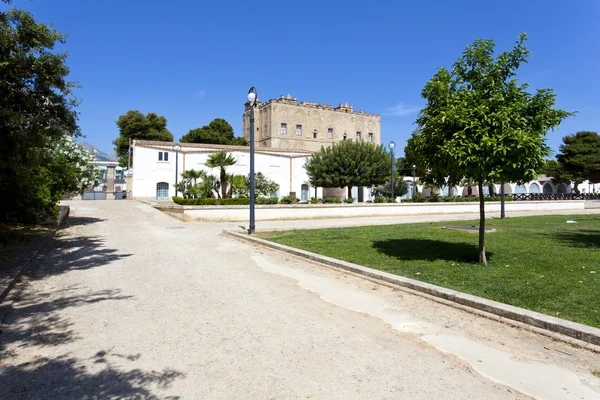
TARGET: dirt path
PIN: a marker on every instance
(130, 303)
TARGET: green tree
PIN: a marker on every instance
(37, 109)
(218, 131)
(263, 186)
(554, 170)
(400, 188)
(135, 125)
(482, 124)
(221, 160)
(579, 158)
(348, 164)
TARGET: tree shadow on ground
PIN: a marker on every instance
(78, 221)
(583, 239)
(68, 378)
(429, 250)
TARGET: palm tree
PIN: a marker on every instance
(194, 175)
(221, 160)
(237, 184)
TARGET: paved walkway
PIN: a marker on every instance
(130, 303)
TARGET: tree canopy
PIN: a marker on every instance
(349, 164)
(579, 157)
(135, 125)
(218, 131)
(481, 123)
(37, 117)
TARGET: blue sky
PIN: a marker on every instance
(193, 61)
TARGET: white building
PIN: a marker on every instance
(154, 169)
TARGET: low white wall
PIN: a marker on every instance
(301, 211)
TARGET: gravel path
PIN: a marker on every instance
(130, 303)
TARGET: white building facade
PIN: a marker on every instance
(154, 169)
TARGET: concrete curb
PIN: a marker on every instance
(541, 323)
(20, 268)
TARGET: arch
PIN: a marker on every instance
(547, 188)
(562, 188)
(508, 188)
(534, 188)
(520, 189)
(162, 191)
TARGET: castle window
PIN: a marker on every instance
(314, 134)
(298, 130)
(370, 137)
(283, 128)
(345, 136)
(358, 139)
(330, 133)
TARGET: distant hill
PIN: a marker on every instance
(100, 155)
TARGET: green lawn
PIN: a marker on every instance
(539, 263)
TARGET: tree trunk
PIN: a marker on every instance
(223, 183)
(491, 189)
(349, 191)
(575, 187)
(482, 257)
(470, 191)
(450, 191)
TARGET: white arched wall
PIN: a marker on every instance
(535, 187)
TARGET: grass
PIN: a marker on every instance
(539, 263)
(16, 240)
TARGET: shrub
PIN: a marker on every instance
(238, 201)
(289, 199)
(194, 202)
(332, 200)
(314, 200)
(349, 200)
(267, 200)
(380, 199)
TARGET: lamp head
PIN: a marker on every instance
(177, 147)
(252, 96)
(392, 145)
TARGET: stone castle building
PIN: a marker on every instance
(284, 123)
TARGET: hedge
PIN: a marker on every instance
(240, 201)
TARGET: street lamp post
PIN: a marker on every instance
(392, 146)
(177, 148)
(414, 180)
(252, 97)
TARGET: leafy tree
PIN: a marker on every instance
(263, 186)
(579, 158)
(481, 123)
(400, 188)
(349, 164)
(135, 125)
(555, 170)
(221, 160)
(218, 131)
(37, 109)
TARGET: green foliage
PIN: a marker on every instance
(211, 202)
(332, 200)
(135, 125)
(218, 131)
(221, 160)
(288, 200)
(400, 188)
(481, 123)
(263, 186)
(349, 164)
(349, 200)
(579, 158)
(37, 110)
(448, 199)
(266, 200)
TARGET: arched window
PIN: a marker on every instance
(547, 188)
(162, 191)
(520, 189)
(562, 188)
(534, 188)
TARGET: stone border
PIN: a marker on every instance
(21, 267)
(572, 332)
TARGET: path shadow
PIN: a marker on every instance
(429, 250)
(68, 378)
(583, 239)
